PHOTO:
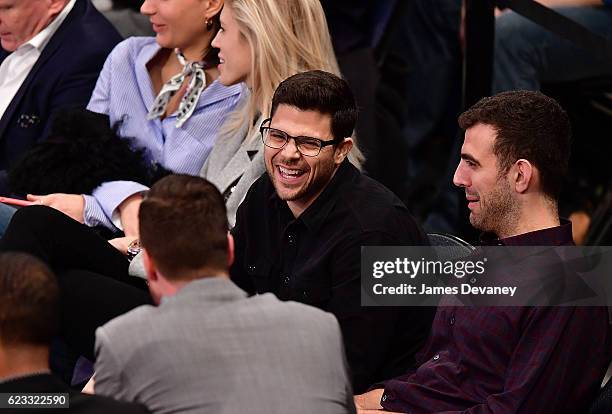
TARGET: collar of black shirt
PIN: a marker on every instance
(553, 236)
(314, 216)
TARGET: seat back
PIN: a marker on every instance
(603, 402)
(449, 247)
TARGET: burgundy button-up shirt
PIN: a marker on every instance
(508, 359)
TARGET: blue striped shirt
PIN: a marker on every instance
(125, 93)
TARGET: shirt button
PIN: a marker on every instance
(452, 320)
(436, 357)
(286, 280)
(473, 280)
(291, 238)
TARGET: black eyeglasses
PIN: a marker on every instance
(277, 139)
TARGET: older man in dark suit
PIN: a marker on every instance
(52, 52)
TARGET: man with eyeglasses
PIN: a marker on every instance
(301, 226)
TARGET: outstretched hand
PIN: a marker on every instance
(72, 205)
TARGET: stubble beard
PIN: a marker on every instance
(324, 174)
(498, 212)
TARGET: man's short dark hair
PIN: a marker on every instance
(323, 92)
(529, 125)
(29, 301)
(183, 226)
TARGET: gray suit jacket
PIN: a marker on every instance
(211, 349)
(235, 157)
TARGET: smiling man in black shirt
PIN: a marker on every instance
(300, 229)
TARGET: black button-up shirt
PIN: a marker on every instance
(315, 259)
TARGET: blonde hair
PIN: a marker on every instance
(285, 37)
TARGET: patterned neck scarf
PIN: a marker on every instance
(192, 94)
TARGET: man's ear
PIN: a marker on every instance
(230, 249)
(342, 150)
(523, 175)
(56, 6)
(214, 7)
(149, 266)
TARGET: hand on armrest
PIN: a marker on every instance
(369, 400)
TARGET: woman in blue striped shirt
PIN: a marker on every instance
(165, 94)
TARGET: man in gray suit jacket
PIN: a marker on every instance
(207, 347)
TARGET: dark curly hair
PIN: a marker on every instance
(81, 152)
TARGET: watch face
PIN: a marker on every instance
(133, 249)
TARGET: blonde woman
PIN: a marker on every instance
(261, 43)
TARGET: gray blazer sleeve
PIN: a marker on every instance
(256, 169)
(137, 267)
(107, 369)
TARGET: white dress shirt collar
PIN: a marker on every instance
(15, 68)
(42, 38)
